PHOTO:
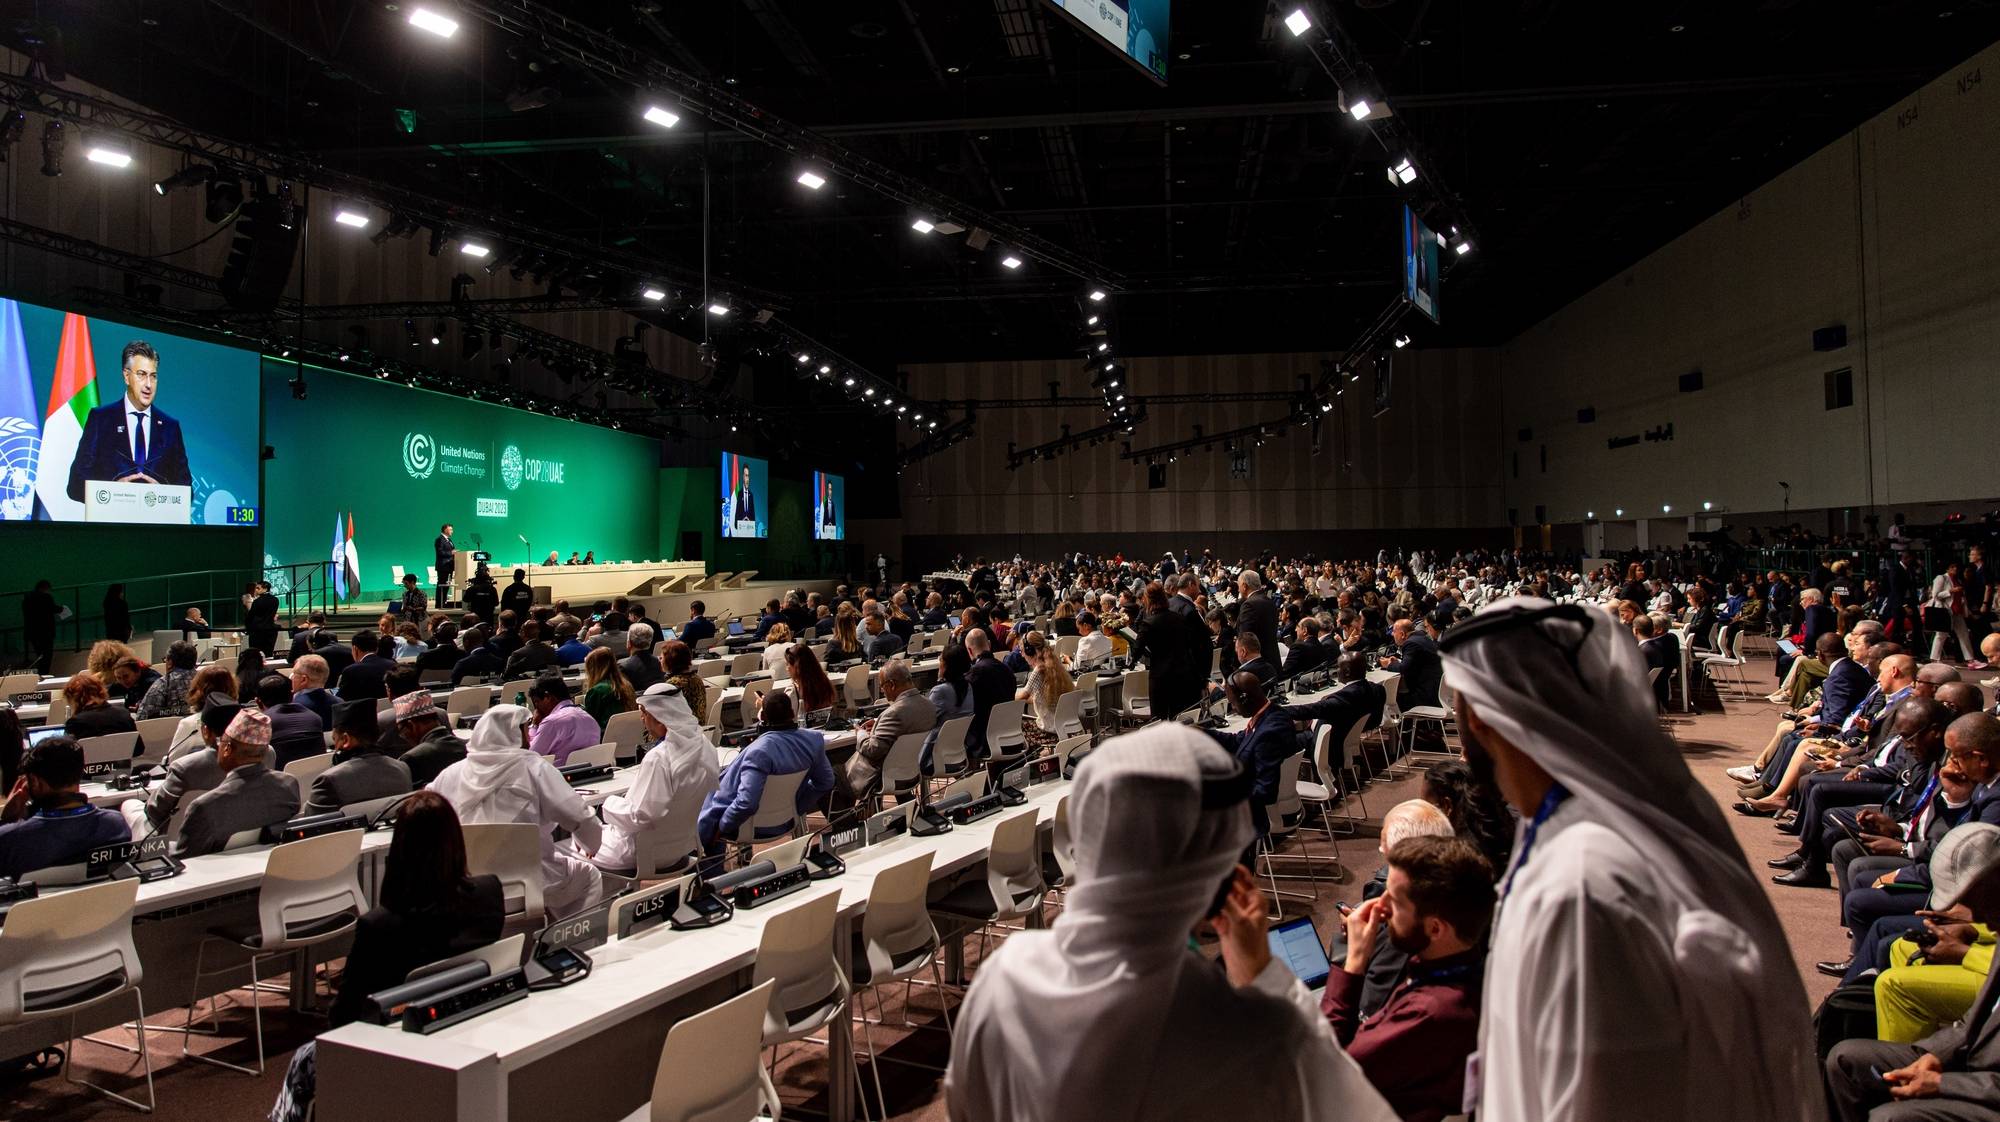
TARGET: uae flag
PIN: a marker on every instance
(71, 398)
(351, 559)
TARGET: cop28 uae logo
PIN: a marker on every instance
(510, 468)
(419, 455)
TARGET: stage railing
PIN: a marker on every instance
(156, 602)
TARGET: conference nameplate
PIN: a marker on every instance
(106, 500)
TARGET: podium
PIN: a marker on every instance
(107, 500)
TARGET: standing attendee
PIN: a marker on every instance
(1256, 611)
(416, 608)
(38, 625)
(481, 598)
(1633, 947)
(446, 557)
(117, 614)
(519, 597)
(1176, 652)
(502, 780)
(1053, 1019)
(260, 620)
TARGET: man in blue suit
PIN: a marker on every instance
(130, 440)
(1263, 746)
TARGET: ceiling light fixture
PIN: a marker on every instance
(849, 381)
(718, 309)
(1464, 247)
(804, 358)
(1102, 347)
(1097, 294)
(473, 249)
(824, 369)
(662, 117)
(812, 179)
(423, 19)
(923, 225)
(1092, 321)
(654, 294)
(1010, 261)
(101, 152)
(1361, 110)
(1403, 171)
(1299, 22)
(1402, 341)
(348, 216)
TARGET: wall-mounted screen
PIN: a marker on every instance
(106, 422)
(1136, 29)
(746, 509)
(1420, 264)
(829, 507)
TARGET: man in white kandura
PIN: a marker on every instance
(1109, 1015)
(502, 780)
(677, 774)
(1637, 969)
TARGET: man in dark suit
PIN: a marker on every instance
(130, 440)
(1256, 612)
(1950, 1075)
(360, 771)
(1263, 746)
(1250, 660)
(480, 658)
(1919, 725)
(1357, 701)
(991, 684)
(364, 679)
(698, 626)
(1418, 662)
(296, 731)
(309, 636)
(446, 556)
(1662, 653)
(533, 656)
(519, 598)
(260, 621)
(1306, 653)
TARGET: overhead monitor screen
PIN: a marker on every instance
(1136, 29)
(1420, 264)
(745, 509)
(106, 422)
(829, 507)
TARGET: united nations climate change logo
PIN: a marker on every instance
(419, 455)
(20, 447)
(510, 468)
(279, 576)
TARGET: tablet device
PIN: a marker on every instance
(1788, 647)
(37, 735)
(1296, 942)
(735, 627)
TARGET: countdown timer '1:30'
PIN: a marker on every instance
(242, 516)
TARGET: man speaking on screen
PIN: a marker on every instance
(130, 440)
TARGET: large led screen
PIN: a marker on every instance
(746, 508)
(1135, 28)
(1420, 264)
(829, 507)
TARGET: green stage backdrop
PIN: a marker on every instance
(402, 461)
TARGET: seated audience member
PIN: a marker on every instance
(443, 652)
(1931, 982)
(640, 667)
(1306, 653)
(1435, 908)
(47, 821)
(1660, 654)
(1042, 1029)
(410, 642)
(533, 655)
(168, 696)
(212, 684)
(90, 710)
(1048, 678)
(309, 678)
(1264, 745)
(359, 772)
(675, 777)
(570, 649)
(502, 780)
(295, 729)
(426, 729)
(769, 619)
(606, 693)
(1477, 812)
(1417, 661)
(1833, 812)
(611, 632)
(561, 726)
(430, 909)
(192, 621)
(1949, 1074)
(1062, 621)
(950, 696)
(1093, 646)
(1358, 702)
(1411, 818)
(798, 619)
(698, 625)
(779, 640)
(845, 644)
(481, 659)
(189, 773)
(374, 658)
(909, 712)
(877, 640)
(783, 749)
(677, 660)
(249, 668)
(934, 615)
(250, 796)
(812, 690)
(992, 684)
(308, 636)
(1250, 658)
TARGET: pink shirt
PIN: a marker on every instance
(566, 729)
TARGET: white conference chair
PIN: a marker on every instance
(508, 690)
(309, 895)
(901, 768)
(1137, 707)
(68, 951)
(857, 688)
(624, 731)
(897, 941)
(711, 1066)
(1086, 684)
(115, 748)
(13, 685)
(1006, 741)
(606, 753)
(948, 755)
(1013, 887)
(305, 768)
(156, 737)
(796, 954)
(1066, 719)
(511, 851)
(468, 701)
(751, 701)
(776, 807)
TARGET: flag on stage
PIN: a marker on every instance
(20, 421)
(351, 558)
(339, 559)
(71, 398)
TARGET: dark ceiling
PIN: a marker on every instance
(1243, 212)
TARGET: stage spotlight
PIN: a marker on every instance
(1096, 294)
(349, 215)
(1619, 512)
(437, 333)
(662, 117)
(824, 369)
(1463, 247)
(812, 179)
(1707, 505)
(804, 358)
(1010, 261)
(473, 249)
(442, 26)
(923, 226)
(111, 153)
(1102, 347)
(1092, 321)
(654, 294)
(1299, 22)
(1361, 110)
(849, 382)
(1666, 508)
(53, 140)
(1403, 171)
(1402, 341)
(186, 177)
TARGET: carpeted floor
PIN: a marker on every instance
(194, 1092)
